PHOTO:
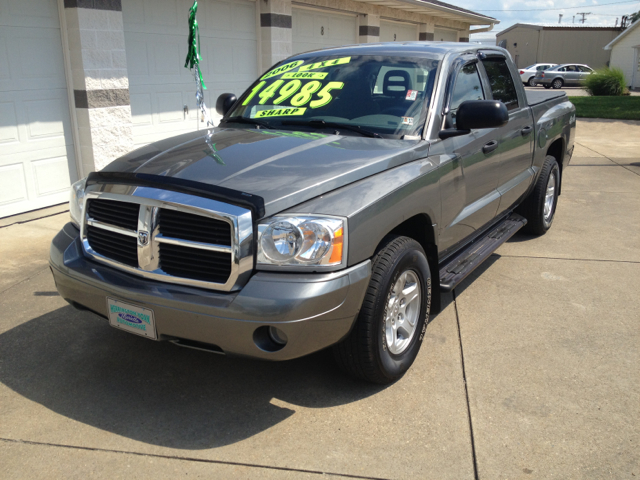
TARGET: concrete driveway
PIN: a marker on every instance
(530, 371)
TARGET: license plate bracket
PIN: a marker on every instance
(132, 318)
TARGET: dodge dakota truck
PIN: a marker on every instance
(338, 197)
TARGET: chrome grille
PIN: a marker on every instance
(169, 236)
(120, 214)
(193, 227)
(188, 262)
(121, 248)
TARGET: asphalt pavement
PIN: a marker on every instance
(530, 370)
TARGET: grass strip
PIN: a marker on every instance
(617, 108)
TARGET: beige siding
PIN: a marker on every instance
(536, 45)
(525, 50)
(622, 55)
(586, 46)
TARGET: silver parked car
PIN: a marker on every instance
(568, 74)
(528, 74)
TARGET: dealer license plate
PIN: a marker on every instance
(132, 318)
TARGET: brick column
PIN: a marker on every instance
(427, 32)
(100, 80)
(369, 28)
(275, 31)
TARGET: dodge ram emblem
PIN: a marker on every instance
(143, 238)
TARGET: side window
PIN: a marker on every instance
(468, 86)
(501, 82)
(585, 69)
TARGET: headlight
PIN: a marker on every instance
(76, 202)
(302, 242)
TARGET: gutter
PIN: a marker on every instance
(481, 30)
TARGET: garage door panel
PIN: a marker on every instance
(398, 32)
(50, 175)
(30, 59)
(160, 86)
(21, 13)
(13, 187)
(8, 123)
(445, 35)
(37, 161)
(313, 30)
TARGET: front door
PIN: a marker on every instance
(516, 136)
(478, 164)
(573, 75)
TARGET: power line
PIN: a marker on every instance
(565, 8)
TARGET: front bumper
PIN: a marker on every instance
(313, 310)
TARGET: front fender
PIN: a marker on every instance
(376, 205)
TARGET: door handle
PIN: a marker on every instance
(490, 147)
(526, 131)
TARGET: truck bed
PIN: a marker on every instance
(535, 97)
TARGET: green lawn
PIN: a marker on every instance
(619, 108)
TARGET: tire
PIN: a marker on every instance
(538, 208)
(532, 82)
(547, 87)
(371, 351)
(557, 83)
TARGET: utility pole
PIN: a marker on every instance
(584, 15)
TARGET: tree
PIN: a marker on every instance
(634, 17)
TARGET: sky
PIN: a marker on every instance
(604, 12)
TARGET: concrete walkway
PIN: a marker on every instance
(530, 370)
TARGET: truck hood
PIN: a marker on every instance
(285, 167)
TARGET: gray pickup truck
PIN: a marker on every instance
(340, 194)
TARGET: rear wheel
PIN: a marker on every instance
(388, 332)
(547, 86)
(557, 83)
(539, 207)
(532, 82)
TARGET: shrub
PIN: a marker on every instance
(606, 81)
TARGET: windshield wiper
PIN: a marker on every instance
(323, 124)
(248, 121)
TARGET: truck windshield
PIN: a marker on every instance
(384, 95)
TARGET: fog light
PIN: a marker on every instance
(278, 336)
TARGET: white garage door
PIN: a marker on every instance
(37, 160)
(398, 32)
(445, 35)
(160, 87)
(313, 30)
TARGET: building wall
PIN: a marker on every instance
(559, 45)
(522, 44)
(623, 55)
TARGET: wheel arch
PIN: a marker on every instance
(557, 150)
(421, 229)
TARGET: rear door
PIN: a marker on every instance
(516, 137)
(573, 75)
(584, 73)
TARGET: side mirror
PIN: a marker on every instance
(477, 114)
(225, 102)
(481, 114)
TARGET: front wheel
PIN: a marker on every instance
(539, 207)
(532, 82)
(388, 332)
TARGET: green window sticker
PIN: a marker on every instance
(282, 68)
(325, 94)
(304, 96)
(306, 75)
(289, 89)
(270, 91)
(326, 63)
(280, 112)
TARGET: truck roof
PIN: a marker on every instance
(417, 49)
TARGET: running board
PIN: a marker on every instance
(457, 269)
